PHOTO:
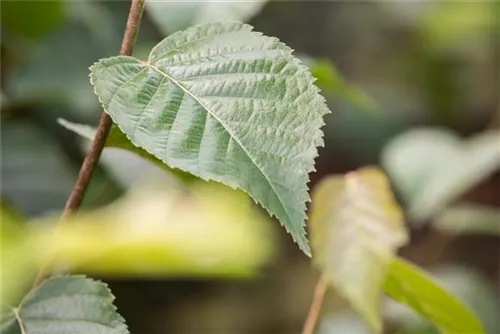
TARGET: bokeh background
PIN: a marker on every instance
(413, 86)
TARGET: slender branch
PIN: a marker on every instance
(315, 308)
(92, 159)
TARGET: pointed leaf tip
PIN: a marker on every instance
(224, 103)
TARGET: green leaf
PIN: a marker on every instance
(175, 16)
(66, 304)
(162, 229)
(331, 82)
(32, 19)
(461, 25)
(466, 284)
(117, 139)
(224, 103)
(411, 286)
(432, 167)
(356, 227)
(18, 260)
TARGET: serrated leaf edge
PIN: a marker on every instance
(111, 298)
(304, 246)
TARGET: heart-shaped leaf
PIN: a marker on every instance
(224, 103)
(66, 304)
(433, 167)
(356, 226)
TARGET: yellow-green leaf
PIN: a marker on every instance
(411, 286)
(331, 82)
(356, 226)
(160, 230)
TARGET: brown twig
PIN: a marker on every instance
(315, 308)
(92, 159)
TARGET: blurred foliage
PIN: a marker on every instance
(116, 138)
(409, 285)
(356, 227)
(55, 70)
(459, 24)
(451, 167)
(25, 159)
(465, 284)
(331, 83)
(17, 262)
(174, 16)
(32, 19)
(160, 229)
(468, 218)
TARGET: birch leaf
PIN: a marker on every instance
(66, 304)
(224, 103)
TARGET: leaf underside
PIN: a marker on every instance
(66, 304)
(227, 104)
(356, 226)
(117, 139)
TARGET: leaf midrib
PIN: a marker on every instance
(187, 91)
(19, 320)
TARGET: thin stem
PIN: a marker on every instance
(92, 159)
(315, 308)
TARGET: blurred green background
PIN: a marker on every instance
(412, 85)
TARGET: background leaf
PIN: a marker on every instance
(410, 285)
(356, 226)
(466, 284)
(459, 25)
(27, 153)
(66, 304)
(331, 82)
(116, 138)
(468, 218)
(173, 16)
(55, 71)
(160, 229)
(450, 167)
(32, 19)
(226, 104)
(17, 260)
